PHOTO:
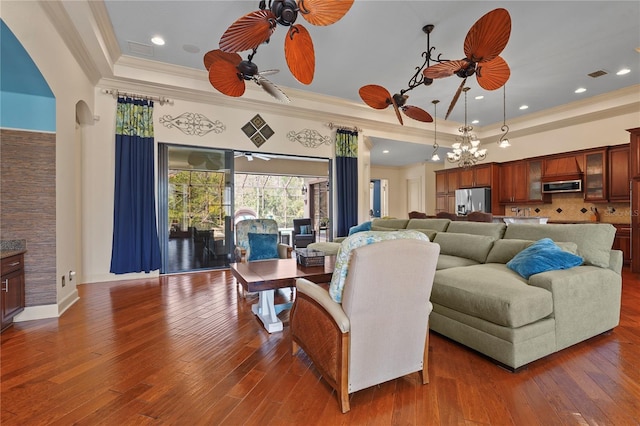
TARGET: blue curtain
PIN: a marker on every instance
(346, 180)
(135, 245)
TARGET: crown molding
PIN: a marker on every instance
(65, 26)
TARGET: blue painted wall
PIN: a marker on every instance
(26, 101)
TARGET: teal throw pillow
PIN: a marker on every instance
(263, 246)
(366, 226)
(542, 256)
(305, 229)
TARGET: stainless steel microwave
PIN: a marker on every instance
(562, 186)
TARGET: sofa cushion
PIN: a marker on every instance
(435, 224)
(594, 240)
(474, 247)
(495, 230)
(542, 256)
(390, 223)
(491, 292)
(383, 228)
(358, 240)
(430, 233)
(447, 261)
(504, 250)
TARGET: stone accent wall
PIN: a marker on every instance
(28, 207)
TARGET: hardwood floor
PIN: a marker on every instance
(186, 350)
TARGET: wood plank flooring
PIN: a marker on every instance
(186, 350)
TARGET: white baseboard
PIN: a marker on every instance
(31, 313)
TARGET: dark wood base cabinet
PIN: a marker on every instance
(622, 242)
(12, 289)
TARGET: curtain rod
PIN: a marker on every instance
(335, 126)
(115, 93)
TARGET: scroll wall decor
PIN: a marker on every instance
(193, 123)
(309, 138)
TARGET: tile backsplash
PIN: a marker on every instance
(572, 207)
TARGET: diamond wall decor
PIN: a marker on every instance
(258, 130)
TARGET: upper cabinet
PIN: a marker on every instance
(521, 182)
(479, 176)
(619, 176)
(595, 176)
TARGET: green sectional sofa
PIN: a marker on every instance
(480, 302)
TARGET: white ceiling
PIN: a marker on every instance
(553, 46)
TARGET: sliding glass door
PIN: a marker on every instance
(195, 207)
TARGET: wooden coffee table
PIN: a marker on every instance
(265, 276)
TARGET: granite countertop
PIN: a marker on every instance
(8, 253)
(10, 248)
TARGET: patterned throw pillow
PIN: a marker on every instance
(262, 246)
(358, 240)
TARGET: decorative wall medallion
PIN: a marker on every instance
(309, 138)
(192, 123)
(258, 130)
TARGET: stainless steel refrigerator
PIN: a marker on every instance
(472, 200)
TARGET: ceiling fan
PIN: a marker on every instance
(228, 73)
(255, 28)
(483, 44)
(380, 98)
(250, 156)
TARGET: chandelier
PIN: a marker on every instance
(466, 150)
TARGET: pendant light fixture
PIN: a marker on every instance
(504, 142)
(466, 151)
(435, 156)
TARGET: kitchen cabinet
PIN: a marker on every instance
(622, 241)
(513, 182)
(634, 175)
(479, 176)
(595, 176)
(446, 185)
(619, 177)
(12, 289)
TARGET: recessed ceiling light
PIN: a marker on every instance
(479, 97)
(386, 151)
(158, 41)
(524, 106)
(580, 90)
(475, 121)
(623, 71)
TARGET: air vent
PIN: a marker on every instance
(597, 74)
(140, 49)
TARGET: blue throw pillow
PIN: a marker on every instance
(541, 256)
(263, 246)
(305, 229)
(366, 226)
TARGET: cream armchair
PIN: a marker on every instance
(380, 331)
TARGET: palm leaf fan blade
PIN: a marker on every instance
(444, 69)
(494, 74)
(249, 31)
(298, 50)
(214, 55)
(455, 98)
(223, 75)
(324, 12)
(272, 89)
(375, 96)
(488, 37)
(397, 110)
(417, 113)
